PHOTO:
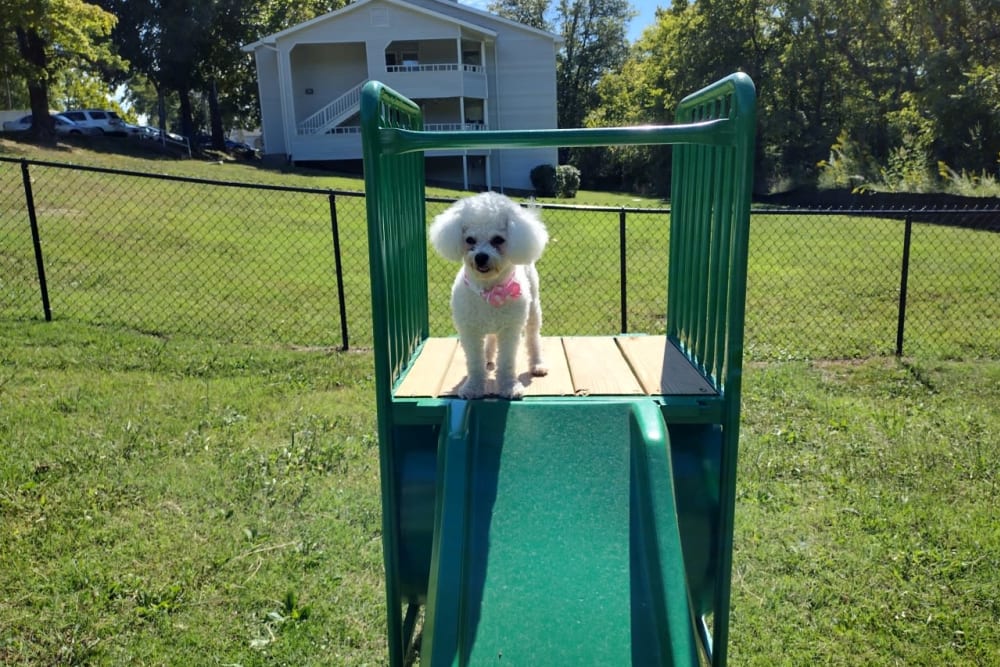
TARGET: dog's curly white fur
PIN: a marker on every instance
(495, 294)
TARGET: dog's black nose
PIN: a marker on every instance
(482, 259)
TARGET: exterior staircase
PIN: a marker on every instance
(334, 113)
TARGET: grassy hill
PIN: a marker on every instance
(133, 155)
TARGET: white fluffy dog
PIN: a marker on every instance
(495, 294)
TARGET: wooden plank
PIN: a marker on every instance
(662, 368)
(454, 375)
(624, 365)
(426, 375)
(598, 368)
(558, 382)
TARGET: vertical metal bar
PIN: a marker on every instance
(335, 230)
(623, 269)
(904, 278)
(29, 199)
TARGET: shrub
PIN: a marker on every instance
(543, 178)
(969, 184)
(567, 181)
(907, 170)
(849, 165)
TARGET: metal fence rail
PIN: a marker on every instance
(262, 263)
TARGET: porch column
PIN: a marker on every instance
(461, 119)
(290, 124)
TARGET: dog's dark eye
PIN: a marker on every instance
(470, 240)
(496, 241)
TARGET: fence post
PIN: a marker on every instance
(338, 264)
(36, 241)
(903, 280)
(622, 265)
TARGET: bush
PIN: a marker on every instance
(543, 178)
(849, 165)
(907, 170)
(567, 181)
(969, 184)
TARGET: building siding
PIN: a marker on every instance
(326, 57)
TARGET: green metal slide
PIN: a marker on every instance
(591, 530)
(551, 546)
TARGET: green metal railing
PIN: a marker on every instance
(710, 225)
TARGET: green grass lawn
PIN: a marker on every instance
(169, 500)
(866, 525)
(197, 483)
(174, 502)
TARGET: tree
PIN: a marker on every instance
(50, 36)
(185, 47)
(76, 89)
(891, 86)
(528, 12)
(594, 45)
(13, 86)
(165, 40)
(642, 92)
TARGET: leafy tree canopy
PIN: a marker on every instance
(40, 39)
(904, 83)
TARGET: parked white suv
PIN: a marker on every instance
(107, 122)
(63, 125)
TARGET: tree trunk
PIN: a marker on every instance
(215, 117)
(187, 120)
(32, 48)
(161, 111)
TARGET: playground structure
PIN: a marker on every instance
(592, 521)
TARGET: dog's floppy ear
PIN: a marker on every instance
(526, 235)
(447, 235)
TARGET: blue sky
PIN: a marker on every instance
(646, 14)
(646, 17)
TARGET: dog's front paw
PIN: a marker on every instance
(472, 389)
(539, 370)
(512, 390)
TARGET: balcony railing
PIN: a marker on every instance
(455, 127)
(435, 127)
(436, 67)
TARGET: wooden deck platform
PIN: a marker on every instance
(578, 366)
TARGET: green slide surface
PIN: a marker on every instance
(556, 538)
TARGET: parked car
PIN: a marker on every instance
(108, 122)
(139, 131)
(64, 126)
(231, 146)
(153, 134)
(147, 132)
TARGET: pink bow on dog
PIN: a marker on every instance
(500, 294)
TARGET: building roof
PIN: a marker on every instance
(270, 40)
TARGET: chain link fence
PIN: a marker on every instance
(254, 263)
